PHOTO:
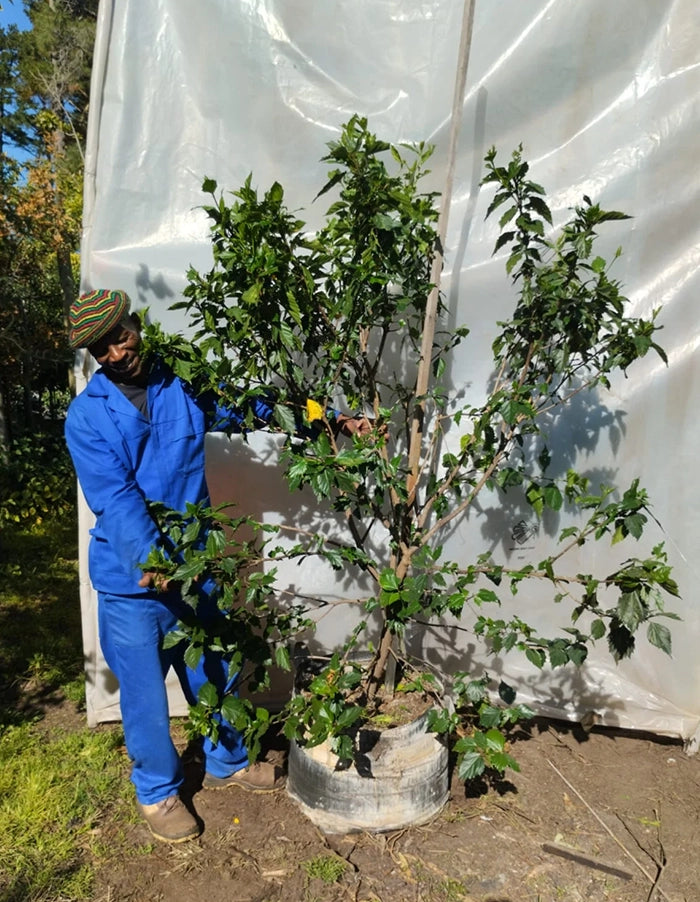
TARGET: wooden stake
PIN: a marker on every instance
(429, 323)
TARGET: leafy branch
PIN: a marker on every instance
(336, 319)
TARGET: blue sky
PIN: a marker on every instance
(12, 13)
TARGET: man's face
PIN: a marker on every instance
(118, 353)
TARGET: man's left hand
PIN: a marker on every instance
(353, 425)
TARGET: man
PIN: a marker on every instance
(136, 434)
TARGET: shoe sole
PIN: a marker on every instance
(171, 839)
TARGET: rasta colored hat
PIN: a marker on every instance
(94, 314)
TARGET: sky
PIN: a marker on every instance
(12, 13)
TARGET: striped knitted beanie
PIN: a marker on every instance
(94, 314)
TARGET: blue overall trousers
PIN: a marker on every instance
(125, 459)
(131, 636)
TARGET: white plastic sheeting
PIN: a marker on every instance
(604, 98)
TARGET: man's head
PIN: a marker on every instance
(100, 321)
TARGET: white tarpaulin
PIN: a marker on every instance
(605, 99)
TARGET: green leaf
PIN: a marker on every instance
(634, 524)
(489, 716)
(553, 497)
(486, 596)
(470, 766)
(191, 533)
(620, 640)
(439, 721)
(234, 711)
(252, 295)
(173, 638)
(659, 636)
(192, 656)
(630, 610)
(189, 569)
(539, 206)
(384, 221)
(500, 198)
(208, 695)
(558, 656)
(577, 654)
(495, 740)
(507, 216)
(388, 580)
(504, 238)
(535, 497)
(285, 419)
(597, 629)
(513, 261)
(343, 747)
(474, 690)
(500, 761)
(276, 193)
(282, 657)
(610, 215)
(536, 656)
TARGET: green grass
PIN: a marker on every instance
(40, 631)
(328, 868)
(53, 795)
(64, 793)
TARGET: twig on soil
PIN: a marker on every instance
(661, 862)
(509, 809)
(653, 880)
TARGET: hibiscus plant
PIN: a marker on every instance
(341, 318)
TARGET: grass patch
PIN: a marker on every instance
(53, 794)
(64, 793)
(328, 868)
(40, 629)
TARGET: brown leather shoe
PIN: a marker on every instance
(258, 777)
(170, 821)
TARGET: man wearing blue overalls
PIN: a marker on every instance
(136, 434)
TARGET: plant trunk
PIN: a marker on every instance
(65, 278)
(378, 671)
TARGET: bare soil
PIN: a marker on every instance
(597, 816)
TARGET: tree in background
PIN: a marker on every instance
(44, 88)
(15, 119)
(55, 79)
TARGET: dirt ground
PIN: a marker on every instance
(596, 816)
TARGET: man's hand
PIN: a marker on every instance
(353, 425)
(154, 580)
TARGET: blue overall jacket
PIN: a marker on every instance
(123, 460)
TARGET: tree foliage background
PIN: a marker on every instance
(44, 89)
(44, 85)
